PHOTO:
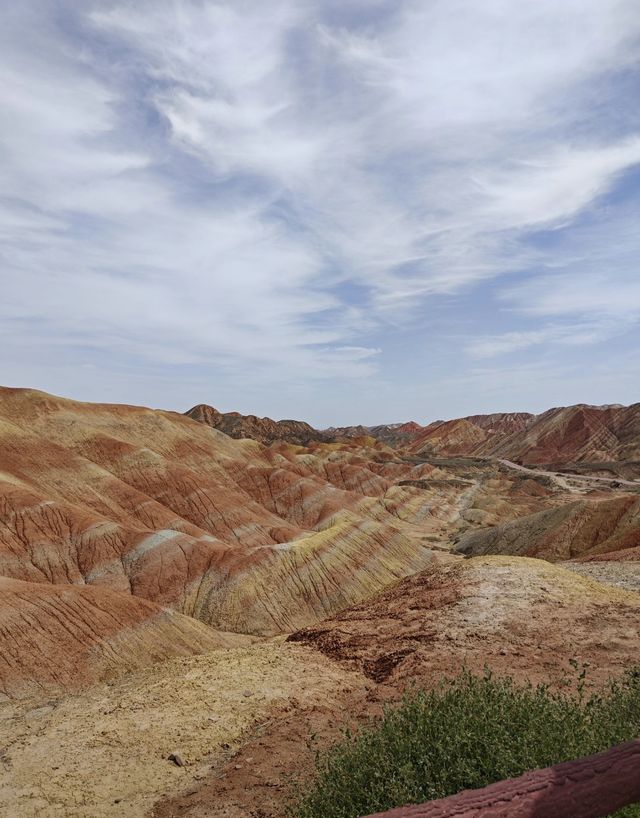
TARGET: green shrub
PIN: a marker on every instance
(467, 734)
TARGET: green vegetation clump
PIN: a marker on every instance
(466, 734)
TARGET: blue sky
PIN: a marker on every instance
(338, 211)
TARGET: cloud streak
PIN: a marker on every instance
(269, 195)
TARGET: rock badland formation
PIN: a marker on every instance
(151, 563)
(264, 430)
(568, 435)
(582, 528)
(395, 434)
(55, 636)
(572, 434)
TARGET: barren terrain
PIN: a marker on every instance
(105, 752)
(246, 719)
(187, 616)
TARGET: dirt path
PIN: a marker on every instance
(562, 477)
(103, 754)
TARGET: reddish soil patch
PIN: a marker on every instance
(522, 617)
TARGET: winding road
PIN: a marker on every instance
(510, 464)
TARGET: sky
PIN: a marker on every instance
(333, 210)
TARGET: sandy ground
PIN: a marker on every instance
(521, 617)
(624, 574)
(247, 720)
(104, 753)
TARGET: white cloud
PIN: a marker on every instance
(548, 189)
(615, 296)
(457, 82)
(489, 346)
(264, 188)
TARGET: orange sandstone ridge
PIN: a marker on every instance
(186, 534)
(147, 557)
(562, 436)
(572, 434)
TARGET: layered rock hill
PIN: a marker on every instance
(577, 434)
(565, 436)
(139, 512)
(579, 529)
(153, 506)
(66, 636)
(393, 434)
(268, 431)
(503, 423)
(250, 426)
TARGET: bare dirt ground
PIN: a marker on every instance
(258, 780)
(623, 574)
(568, 480)
(103, 753)
(248, 721)
(522, 617)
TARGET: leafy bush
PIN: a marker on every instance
(466, 734)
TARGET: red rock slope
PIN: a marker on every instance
(63, 637)
(249, 426)
(586, 527)
(154, 506)
(571, 434)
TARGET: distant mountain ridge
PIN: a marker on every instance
(298, 432)
(394, 434)
(571, 434)
(265, 430)
(579, 433)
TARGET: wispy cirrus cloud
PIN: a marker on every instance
(560, 335)
(247, 193)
